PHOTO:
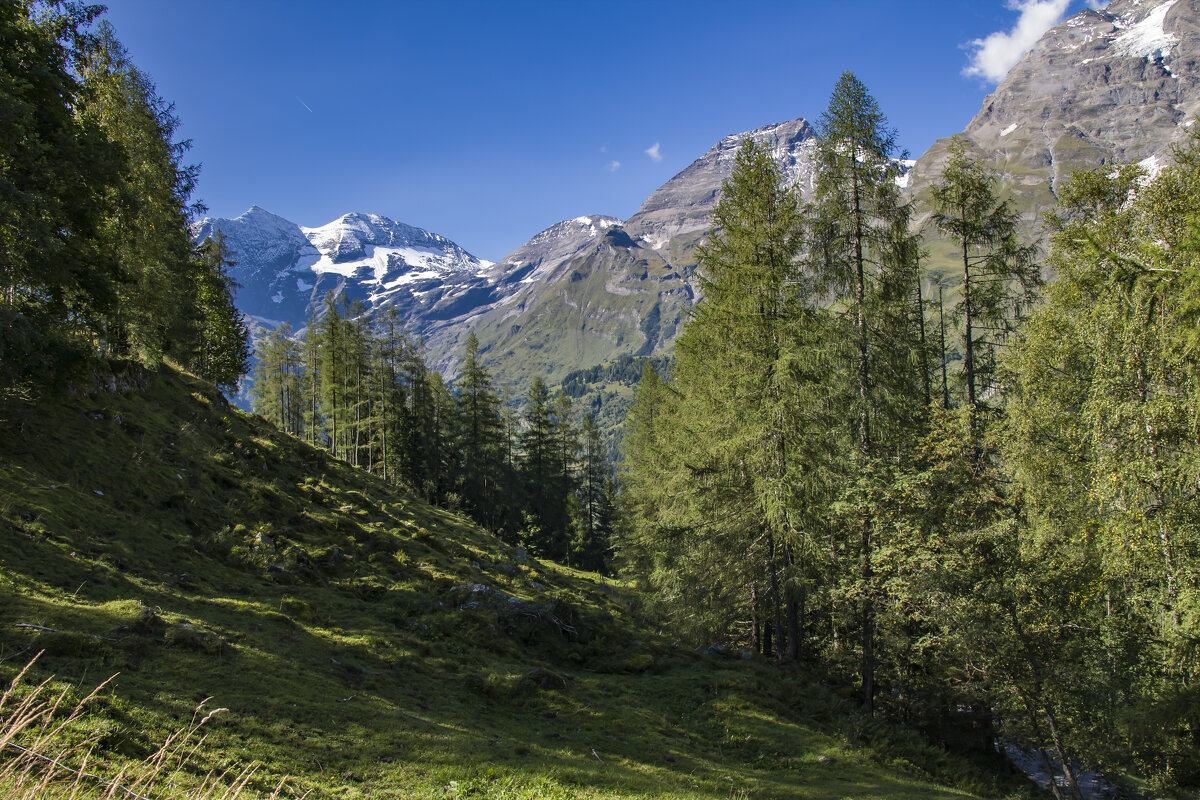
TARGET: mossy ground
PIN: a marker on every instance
(197, 553)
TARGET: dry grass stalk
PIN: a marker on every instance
(35, 763)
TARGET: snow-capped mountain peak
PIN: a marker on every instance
(284, 270)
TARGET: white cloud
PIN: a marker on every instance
(603, 148)
(653, 153)
(995, 55)
(613, 166)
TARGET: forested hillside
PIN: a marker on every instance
(999, 549)
(539, 477)
(96, 258)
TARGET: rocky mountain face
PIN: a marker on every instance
(1111, 86)
(1117, 85)
(612, 288)
(284, 270)
(581, 292)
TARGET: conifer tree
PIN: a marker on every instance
(221, 349)
(277, 391)
(858, 249)
(540, 469)
(722, 464)
(58, 169)
(479, 409)
(146, 225)
(329, 333)
(593, 529)
(1101, 439)
(999, 274)
(390, 345)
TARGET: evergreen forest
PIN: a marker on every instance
(1003, 548)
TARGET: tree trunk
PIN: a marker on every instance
(793, 608)
(864, 446)
(942, 336)
(755, 631)
(969, 357)
(923, 351)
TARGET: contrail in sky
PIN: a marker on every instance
(305, 105)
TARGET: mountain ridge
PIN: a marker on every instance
(1101, 87)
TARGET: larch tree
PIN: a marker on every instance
(723, 460)
(858, 250)
(1000, 275)
(1101, 438)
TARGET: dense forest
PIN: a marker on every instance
(1006, 549)
(96, 257)
(360, 387)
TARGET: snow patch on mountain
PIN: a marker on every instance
(1146, 38)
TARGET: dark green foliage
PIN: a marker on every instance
(1022, 569)
(221, 349)
(1101, 439)
(57, 282)
(713, 462)
(95, 253)
(999, 274)
(361, 389)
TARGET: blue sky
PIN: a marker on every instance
(489, 121)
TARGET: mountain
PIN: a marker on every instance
(284, 270)
(1109, 86)
(582, 292)
(1118, 85)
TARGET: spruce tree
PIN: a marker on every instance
(221, 349)
(540, 469)
(479, 410)
(58, 278)
(146, 224)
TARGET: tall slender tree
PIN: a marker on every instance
(1000, 275)
(221, 350)
(858, 248)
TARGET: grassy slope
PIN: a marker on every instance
(199, 553)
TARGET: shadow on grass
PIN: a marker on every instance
(200, 553)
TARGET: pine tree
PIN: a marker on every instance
(540, 469)
(278, 379)
(593, 529)
(479, 410)
(329, 333)
(390, 346)
(146, 225)
(58, 280)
